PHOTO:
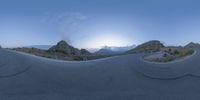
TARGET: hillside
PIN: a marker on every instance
(45, 53)
(192, 45)
(151, 46)
(64, 47)
(62, 51)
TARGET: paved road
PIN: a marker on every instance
(27, 77)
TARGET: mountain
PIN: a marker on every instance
(64, 47)
(93, 50)
(192, 45)
(120, 49)
(104, 51)
(62, 51)
(42, 47)
(85, 52)
(150, 46)
(112, 50)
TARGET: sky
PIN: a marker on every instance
(96, 23)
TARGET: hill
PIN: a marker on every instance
(192, 45)
(85, 52)
(62, 51)
(151, 46)
(64, 47)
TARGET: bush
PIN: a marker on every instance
(176, 52)
(165, 55)
(78, 58)
(190, 52)
(173, 55)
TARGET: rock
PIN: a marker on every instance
(85, 52)
(192, 45)
(64, 47)
(151, 46)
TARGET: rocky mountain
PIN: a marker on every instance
(64, 47)
(62, 50)
(151, 46)
(85, 52)
(192, 45)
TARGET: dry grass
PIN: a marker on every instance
(171, 55)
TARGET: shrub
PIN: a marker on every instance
(165, 55)
(176, 52)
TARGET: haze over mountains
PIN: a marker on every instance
(63, 51)
(111, 50)
(92, 50)
(43, 47)
(121, 77)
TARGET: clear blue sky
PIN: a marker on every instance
(94, 23)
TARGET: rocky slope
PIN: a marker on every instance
(85, 52)
(151, 46)
(62, 51)
(64, 47)
(192, 45)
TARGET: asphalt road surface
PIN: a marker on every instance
(127, 77)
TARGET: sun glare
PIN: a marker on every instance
(108, 40)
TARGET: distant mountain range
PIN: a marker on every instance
(43, 47)
(111, 50)
(106, 50)
(62, 50)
